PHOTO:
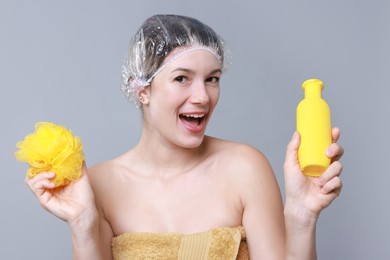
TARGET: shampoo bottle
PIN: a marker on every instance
(314, 127)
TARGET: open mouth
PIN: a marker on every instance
(193, 119)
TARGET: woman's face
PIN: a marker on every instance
(182, 98)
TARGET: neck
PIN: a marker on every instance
(165, 158)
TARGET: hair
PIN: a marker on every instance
(158, 36)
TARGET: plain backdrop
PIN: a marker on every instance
(60, 62)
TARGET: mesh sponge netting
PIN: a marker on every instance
(52, 148)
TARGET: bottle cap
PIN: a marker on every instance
(311, 82)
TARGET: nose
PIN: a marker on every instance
(199, 93)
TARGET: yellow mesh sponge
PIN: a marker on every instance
(52, 148)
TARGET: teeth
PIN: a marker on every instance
(194, 116)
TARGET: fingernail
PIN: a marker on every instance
(328, 152)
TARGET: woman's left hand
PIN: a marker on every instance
(312, 194)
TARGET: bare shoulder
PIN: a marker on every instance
(239, 156)
(247, 169)
(104, 170)
(108, 174)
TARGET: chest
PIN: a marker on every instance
(182, 205)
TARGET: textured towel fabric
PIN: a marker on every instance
(219, 243)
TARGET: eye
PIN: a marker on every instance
(181, 79)
(213, 79)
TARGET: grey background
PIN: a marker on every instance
(60, 61)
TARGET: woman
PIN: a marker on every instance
(179, 193)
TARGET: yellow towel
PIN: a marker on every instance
(219, 243)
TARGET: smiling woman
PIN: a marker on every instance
(179, 194)
(188, 89)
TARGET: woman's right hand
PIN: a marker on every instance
(74, 204)
(70, 203)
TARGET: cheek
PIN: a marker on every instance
(214, 96)
(163, 94)
(163, 106)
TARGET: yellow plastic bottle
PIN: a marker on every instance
(314, 127)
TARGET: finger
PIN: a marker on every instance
(292, 150)
(335, 134)
(334, 185)
(84, 171)
(333, 171)
(39, 183)
(335, 151)
(30, 181)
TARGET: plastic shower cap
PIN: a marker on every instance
(155, 39)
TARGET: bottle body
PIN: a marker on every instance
(314, 127)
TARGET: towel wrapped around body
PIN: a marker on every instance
(219, 243)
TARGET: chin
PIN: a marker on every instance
(192, 142)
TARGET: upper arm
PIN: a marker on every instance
(105, 237)
(263, 218)
(105, 231)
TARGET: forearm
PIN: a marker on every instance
(300, 233)
(85, 237)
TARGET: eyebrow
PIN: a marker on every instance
(192, 71)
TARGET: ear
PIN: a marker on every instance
(144, 95)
